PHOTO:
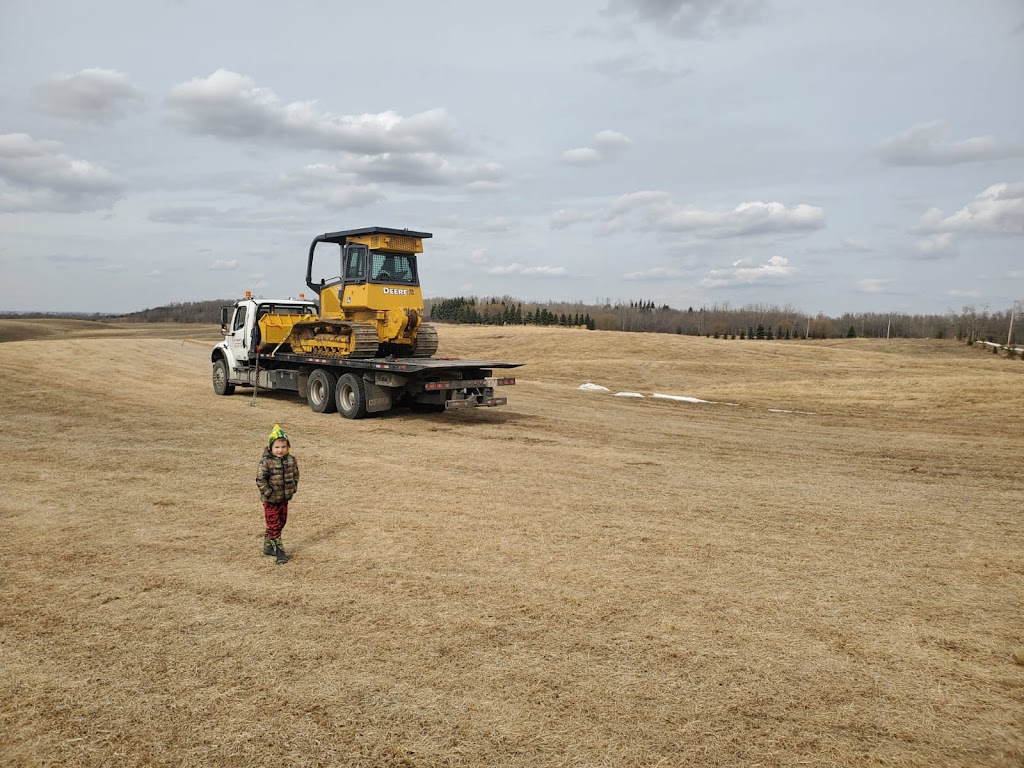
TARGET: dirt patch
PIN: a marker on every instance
(573, 579)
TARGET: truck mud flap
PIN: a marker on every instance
(378, 399)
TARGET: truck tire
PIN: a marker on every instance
(351, 396)
(320, 391)
(220, 378)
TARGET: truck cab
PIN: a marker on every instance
(248, 326)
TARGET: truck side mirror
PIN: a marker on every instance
(225, 316)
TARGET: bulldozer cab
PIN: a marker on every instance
(371, 255)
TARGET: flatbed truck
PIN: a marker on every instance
(251, 355)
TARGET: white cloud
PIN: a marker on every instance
(420, 168)
(479, 256)
(230, 106)
(224, 265)
(775, 268)
(998, 210)
(582, 156)
(958, 293)
(518, 269)
(659, 212)
(607, 145)
(91, 96)
(689, 18)
(227, 218)
(611, 141)
(38, 176)
(873, 285)
(854, 246)
(566, 217)
(923, 145)
(654, 273)
(938, 246)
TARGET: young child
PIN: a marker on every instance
(278, 479)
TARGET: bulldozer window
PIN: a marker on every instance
(392, 268)
(354, 266)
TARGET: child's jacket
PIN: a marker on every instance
(277, 478)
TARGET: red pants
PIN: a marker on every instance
(276, 516)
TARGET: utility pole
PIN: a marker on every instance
(1009, 335)
(888, 327)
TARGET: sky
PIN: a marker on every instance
(825, 156)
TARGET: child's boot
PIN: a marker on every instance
(279, 550)
(268, 545)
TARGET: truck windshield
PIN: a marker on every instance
(393, 268)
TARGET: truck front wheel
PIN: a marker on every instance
(220, 378)
(351, 396)
(320, 392)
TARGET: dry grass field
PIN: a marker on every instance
(826, 571)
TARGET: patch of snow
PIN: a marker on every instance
(783, 410)
(681, 398)
(628, 394)
(684, 399)
(594, 388)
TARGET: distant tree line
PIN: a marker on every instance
(753, 321)
(502, 311)
(178, 312)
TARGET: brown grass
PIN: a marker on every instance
(575, 579)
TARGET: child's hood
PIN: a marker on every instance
(277, 434)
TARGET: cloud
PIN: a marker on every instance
(775, 268)
(421, 169)
(38, 176)
(226, 218)
(873, 285)
(607, 145)
(635, 70)
(958, 293)
(998, 210)
(654, 273)
(320, 184)
(689, 18)
(939, 246)
(923, 145)
(566, 217)
(224, 265)
(659, 212)
(516, 268)
(90, 96)
(854, 246)
(230, 106)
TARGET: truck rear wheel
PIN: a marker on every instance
(220, 378)
(320, 391)
(351, 396)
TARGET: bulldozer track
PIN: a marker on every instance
(327, 339)
(426, 341)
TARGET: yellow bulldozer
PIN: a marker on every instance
(372, 307)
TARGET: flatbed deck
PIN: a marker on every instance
(397, 365)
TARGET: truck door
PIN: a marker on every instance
(239, 336)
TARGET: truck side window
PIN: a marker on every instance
(239, 319)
